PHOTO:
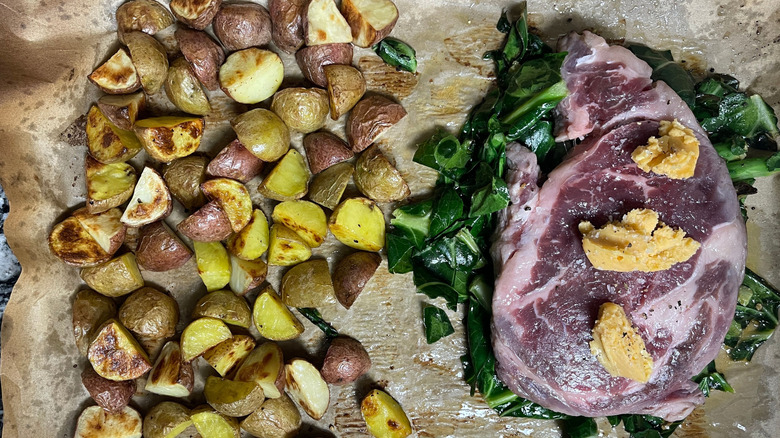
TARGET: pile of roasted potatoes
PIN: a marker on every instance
(128, 330)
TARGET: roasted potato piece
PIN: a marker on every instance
(149, 59)
(108, 394)
(276, 418)
(370, 20)
(358, 223)
(286, 247)
(147, 16)
(234, 399)
(287, 23)
(328, 186)
(72, 244)
(252, 241)
(167, 138)
(370, 118)
(184, 177)
(117, 75)
(346, 86)
(150, 313)
(151, 200)
(307, 284)
(108, 185)
(90, 311)
(212, 424)
(166, 420)
(96, 422)
(301, 109)
(106, 227)
(115, 354)
(305, 218)
(242, 25)
(122, 110)
(312, 59)
(345, 361)
(307, 388)
(226, 355)
(196, 14)
(288, 180)
(208, 224)
(114, 278)
(184, 90)
(203, 53)
(234, 199)
(273, 319)
(213, 264)
(225, 305)
(351, 275)
(384, 416)
(160, 249)
(324, 24)
(106, 142)
(377, 178)
(236, 162)
(251, 75)
(323, 150)
(264, 366)
(202, 334)
(171, 375)
(246, 275)
(263, 133)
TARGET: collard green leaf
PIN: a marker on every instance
(414, 220)
(397, 54)
(315, 317)
(755, 167)
(489, 199)
(539, 139)
(710, 379)
(755, 318)
(550, 95)
(399, 252)
(433, 287)
(742, 115)
(447, 209)
(533, 77)
(437, 324)
(443, 152)
(580, 427)
(667, 70)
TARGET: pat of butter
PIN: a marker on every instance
(637, 243)
(618, 347)
(674, 154)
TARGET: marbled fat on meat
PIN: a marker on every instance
(547, 294)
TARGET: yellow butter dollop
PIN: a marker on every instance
(618, 347)
(637, 243)
(673, 154)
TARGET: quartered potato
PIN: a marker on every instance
(324, 24)
(307, 284)
(251, 75)
(324, 149)
(151, 200)
(147, 16)
(234, 199)
(384, 416)
(288, 180)
(114, 278)
(166, 420)
(378, 179)
(225, 356)
(106, 227)
(234, 399)
(203, 53)
(307, 388)
(184, 177)
(252, 241)
(184, 90)
(106, 142)
(117, 75)
(370, 118)
(70, 241)
(167, 138)
(149, 59)
(264, 366)
(160, 249)
(276, 418)
(225, 305)
(110, 395)
(90, 311)
(236, 162)
(346, 86)
(302, 109)
(345, 361)
(263, 133)
(213, 264)
(208, 224)
(122, 109)
(150, 314)
(108, 185)
(246, 275)
(305, 218)
(171, 375)
(312, 59)
(212, 424)
(94, 422)
(351, 275)
(242, 25)
(328, 186)
(196, 14)
(273, 319)
(201, 335)
(287, 23)
(286, 247)
(370, 20)
(358, 223)
(115, 354)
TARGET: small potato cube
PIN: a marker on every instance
(108, 185)
(307, 388)
(145, 15)
(184, 90)
(117, 75)
(171, 375)
(286, 247)
(213, 264)
(302, 109)
(166, 420)
(184, 177)
(288, 180)
(263, 133)
(116, 355)
(201, 335)
(90, 311)
(167, 138)
(370, 118)
(307, 284)
(73, 244)
(196, 14)
(351, 275)
(305, 218)
(225, 356)
(151, 200)
(122, 110)
(236, 162)
(264, 366)
(110, 395)
(345, 361)
(370, 20)
(242, 25)
(212, 424)
(287, 23)
(252, 241)
(160, 249)
(149, 58)
(225, 305)
(251, 75)
(324, 149)
(359, 223)
(246, 275)
(94, 422)
(384, 416)
(202, 53)
(106, 227)
(150, 314)
(346, 86)
(328, 186)
(276, 418)
(273, 319)
(108, 143)
(114, 278)
(208, 224)
(234, 199)
(311, 59)
(324, 24)
(234, 399)
(378, 179)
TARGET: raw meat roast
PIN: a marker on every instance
(547, 294)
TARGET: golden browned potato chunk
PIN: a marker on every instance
(276, 418)
(90, 311)
(108, 185)
(307, 388)
(106, 227)
(184, 90)
(117, 75)
(370, 20)
(242, 25)
(160, 249)
(307, 284)
(106, 142)
(213, 264)
(167, 138)
(302, 109)
(122, 110)
(166, 420)
(149, 58)
(346, 86)
(210, 423)
(252, 241)
(324, 24)
(184, 177)
(351, 275)
(251, 75)
(345, 361)
(305, 218)
(234, 399)
(196, 14)
(208, 224)
(74, 245)
(150, 314)
(286, 247)
(225, 356)
(246, 275)
(328, 186)
(312, 59)
(225, 305)
(287, 23)
(324, 149)
(235, 162)
(145, 15)
(384, 416)
(116, 355)
(234, 199)
(114, 278)
(201, 335)
(94, 422)
(264, 366)
(171, 375)
(288, 180)
(151, 200)
(263, 133)
(273, 319)
(203, 53)
(377, 178)
(358, 223)
(370, 118)
(110, 395)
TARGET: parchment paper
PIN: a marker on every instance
(50, 46)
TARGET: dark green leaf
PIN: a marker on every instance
(414, 220)
(314, 316)
(490, 198)
(755, 318)
(732, 149)
(751, 168)
(710, 379)
(540, 139)
(429, 284)
(533, 77)
(717, 85)
(397, 54)
(503, 25)
(437, 324)
(524, 126)
(550, 95)
(399, 252)
(742, 115)
(447, 209)
(667, 70)
(482, 291)
(443, 152)
(580, 427)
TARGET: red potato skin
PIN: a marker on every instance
(364, 35)
(287, 23)
(208, 224)
(201, 21)
(243, 25)
(351, 275)
(345, 361)
(159, 249)
(371, 117)
(203, 53)
(110, 395)
(324, 149)
(312, 59)
(235, 162)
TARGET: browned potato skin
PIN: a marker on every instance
(183, 177)
(345, 361)
(235, 162)
(376, 177)
(351, 275)
(147, 16)
(207, 9)
(110, 395)
(71, 243)
(327, 187)
(302, 109)
(370, 118)
(287, 23)
(243, 25)
(149, 58)
(90, 311)
(204, 55)
(121, 116)
(209, 224)
(150, 313)
(324, 149)
(346, 85)
(276, 418)
(312, 59)
(159, 249)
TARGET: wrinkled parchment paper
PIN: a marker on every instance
(47, 49)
